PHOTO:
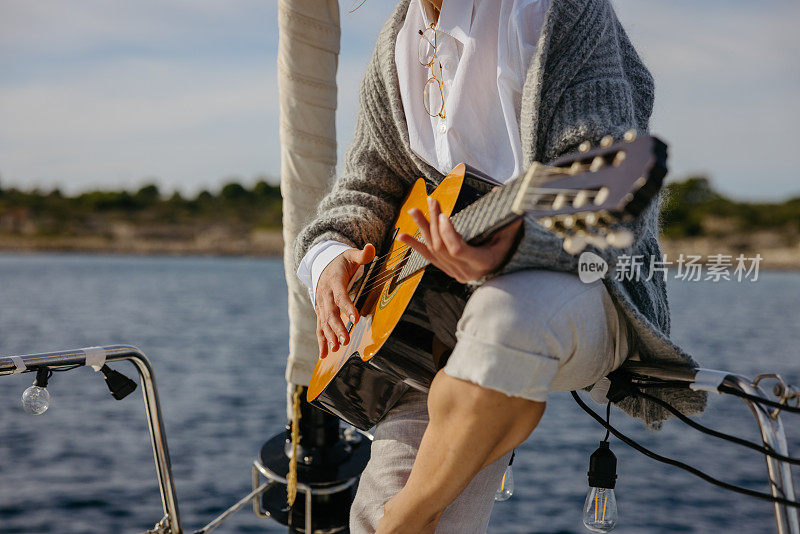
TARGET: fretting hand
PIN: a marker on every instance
(446, 249)
(332, 299)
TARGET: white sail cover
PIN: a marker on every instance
(308, 51)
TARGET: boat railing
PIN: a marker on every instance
(170, 523)
(779, 473)
(769, 422)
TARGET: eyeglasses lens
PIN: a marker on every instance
(433, 98)
(427, 47)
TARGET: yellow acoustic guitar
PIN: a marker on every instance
(409, 309)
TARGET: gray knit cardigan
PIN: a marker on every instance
(585, 81)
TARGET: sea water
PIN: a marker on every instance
(215, 330)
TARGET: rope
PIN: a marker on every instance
(291, 476)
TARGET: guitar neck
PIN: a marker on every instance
(476, 222)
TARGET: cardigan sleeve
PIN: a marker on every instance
(361, 205)
(365, 198)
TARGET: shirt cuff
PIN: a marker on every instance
(314, 262)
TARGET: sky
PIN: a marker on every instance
(183, 93)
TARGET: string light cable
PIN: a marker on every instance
(769, 451)
(783, 407)
(722, 388)
(676, 463)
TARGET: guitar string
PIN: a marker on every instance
(569, 192)
(398, 255)
(546, 171)
(400, 251)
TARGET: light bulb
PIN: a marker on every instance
(35, 400)
(600, 510)
(506, 489)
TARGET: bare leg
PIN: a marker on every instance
(470, 427)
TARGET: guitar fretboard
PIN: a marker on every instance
(482, 217)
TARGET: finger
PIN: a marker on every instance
(435, 242)
(438, 260)
(469, 262)
(367, 254)
(422, 223)
(451, 239)
(333, 319)
(337, 326)
(330, 336)
(321, 343)
(416, 246)
(357, 257)
(342, 300)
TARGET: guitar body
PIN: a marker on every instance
(406, 330)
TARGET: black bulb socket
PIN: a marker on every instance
(118, 384)
(43, 374)
(603, 467)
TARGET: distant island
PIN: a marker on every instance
(246, 220)
(236, 220)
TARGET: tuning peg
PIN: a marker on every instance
(606, 141)
(558, 202)
(598, 242)
(568, 221)
(597, 163)
(574, 244)
(576, 167)
(580, 199)
(601, 196)
(618, 159)
(630, 136)
(620, 238)
(585, 146)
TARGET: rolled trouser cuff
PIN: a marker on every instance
(505, 369)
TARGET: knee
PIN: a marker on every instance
(503, 310)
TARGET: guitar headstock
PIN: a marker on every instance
(582, 196)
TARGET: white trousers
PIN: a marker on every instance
(524, 334)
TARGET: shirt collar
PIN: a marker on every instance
(454, 20)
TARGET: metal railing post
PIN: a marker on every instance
(152, 407)
(772, 434)
(780, 473)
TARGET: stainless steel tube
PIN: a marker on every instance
(772, 434)
(152, 407)
(780, 473)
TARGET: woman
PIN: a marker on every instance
(497, 84)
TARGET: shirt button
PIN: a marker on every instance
(442, 128)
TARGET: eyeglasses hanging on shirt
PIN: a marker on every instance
(433, 92)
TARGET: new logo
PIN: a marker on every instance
(591, 267)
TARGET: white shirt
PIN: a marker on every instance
(484, 48)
